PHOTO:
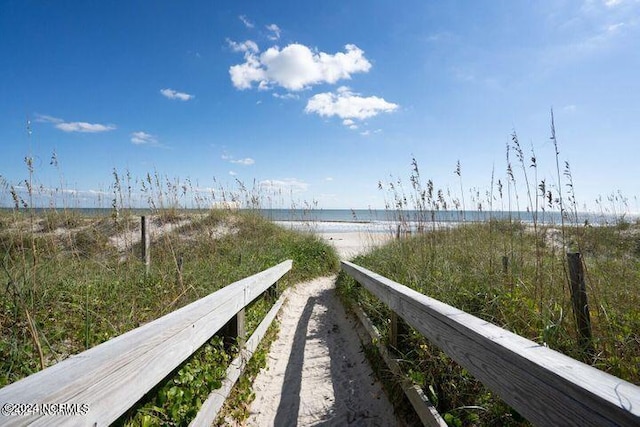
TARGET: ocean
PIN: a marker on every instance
(381, 220)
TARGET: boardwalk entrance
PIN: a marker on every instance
(317, 372)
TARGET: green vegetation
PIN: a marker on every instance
(73, 282)
(508, 272)
(462, 267)
(237, 405)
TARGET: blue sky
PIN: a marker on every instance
(318, 101)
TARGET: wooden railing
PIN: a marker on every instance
(99, 385)
(544, 386)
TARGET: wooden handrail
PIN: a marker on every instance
(546, 387)
(110, 378)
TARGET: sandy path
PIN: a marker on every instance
(317, 373)
(355, 243)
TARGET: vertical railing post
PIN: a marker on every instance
(272, 292)
(580, 303)
(397, 328)
(234, 331)
(144, 243)
(393, 330)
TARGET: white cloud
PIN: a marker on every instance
(74, 192)
(246, 46)
(607, 37)
(297, 67)
(329, 178)
(348, 105)
(286, 96)
(141, 138)
(350, 124)
(615, 27)
(210, 190)
(368, 132)
(244, 162)
(43, 118)
(287, 185)
(597, 27)
(232, 173)
(172, 94)
(275, 32)
(82, 127)
(247, 161)
(244, 74)
(246, 22)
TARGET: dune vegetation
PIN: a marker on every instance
(73, 280)
(510, 272)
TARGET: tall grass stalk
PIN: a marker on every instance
(559, 185)
(459, 265)
(458, 171)
(90, 290)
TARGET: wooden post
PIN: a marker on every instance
(397, 327)
(144, 243)
(580, 303)
(505, 265)
(272, 292)
(393, 330)
(179, 263)
(234, 331)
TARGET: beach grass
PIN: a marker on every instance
(463, 267)
(509, 272)
(72, 282)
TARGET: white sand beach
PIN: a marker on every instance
(351, 244)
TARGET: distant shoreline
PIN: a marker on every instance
(376, 218)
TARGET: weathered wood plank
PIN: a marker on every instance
(210, 408)
(113, 376)
(546, 387)
(427, 413)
